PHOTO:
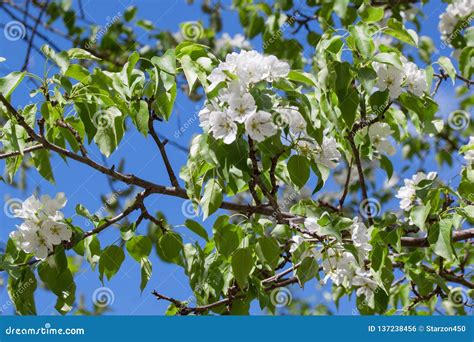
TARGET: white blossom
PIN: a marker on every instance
(360, 238)
(37, 209)
(56, 231)
(339, 266)
(235, 105)
(241, 107)
(415, 78)
(378, 134)
(43, 226)
(407, 193)
(249, 67)
(259, 126)
(223, 127)
(276, 67)
(456, 11)
(328, 154)
(367, 286)
(389, 77)
(204, 115)
(291, 116)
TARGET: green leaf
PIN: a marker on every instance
(9, 83)
(308, 270)
(419, 214)
(196, 228)
(371, 14)
(268, 251)
(106, 136)
(57, 277)
(212, 198)
(227, 237)
(302, 77)
(465, 65)
(424, 282)
(26, 281)
(367, 77)
(43, 165)
(78, 72)
(348, 105)
(170, 246)
(77, 53)
(110, 261)
(140, 116)
(167, 62)
(389, 58)
(130, 13)
(448, 66)
(242, 265)
(363, 41)
(440, 238)
(60, 59)
(139, 247)
(189, 71)
(92, 250)
(387, 166)
(146, 271)
(397, 30)
(299, 170)
(165, 95)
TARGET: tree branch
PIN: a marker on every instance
(32, 36)
(161, 147)
(33, 148)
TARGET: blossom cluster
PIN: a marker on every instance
(407, 193)
(235, 105)
(43, 226)
(455, 12)
(341, 266)
(394, 79)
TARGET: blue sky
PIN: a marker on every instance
(84, 187)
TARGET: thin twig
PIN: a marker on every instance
(32, 36)
(161, 147)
